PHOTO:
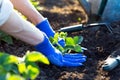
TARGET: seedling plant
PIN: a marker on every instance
(72, 44)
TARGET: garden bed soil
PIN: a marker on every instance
(99, 41)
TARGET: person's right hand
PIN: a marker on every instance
(66, 60)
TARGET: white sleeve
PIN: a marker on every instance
(6, 8)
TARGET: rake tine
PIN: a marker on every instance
(109, 28)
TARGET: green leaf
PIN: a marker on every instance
(8, 39)
(22, 67)
(76, 39)
(77, 48)
(8, 67)
(14, 77)
(51, 39)
(2, 70)
(2, 76)
(35, 3)
(15, 69)
(4, 58)
(9, 62)
(59, 47)
(8, 59)
(32, 71)
(70, 41)
(36, 56)
(67, 48)
(11, 59)
(54, 40)
(56, 37)
(63, 35)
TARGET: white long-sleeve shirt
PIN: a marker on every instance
(6, 8)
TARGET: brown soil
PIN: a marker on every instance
(99, 41)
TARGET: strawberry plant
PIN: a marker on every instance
(20, 68)
(72, 44)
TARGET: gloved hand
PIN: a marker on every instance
(57, 58)
(47, 29)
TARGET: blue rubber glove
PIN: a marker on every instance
(47, 29)
(57, 58)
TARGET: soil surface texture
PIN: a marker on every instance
(99, 41)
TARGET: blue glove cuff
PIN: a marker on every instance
(45, 47)
(46, 28)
